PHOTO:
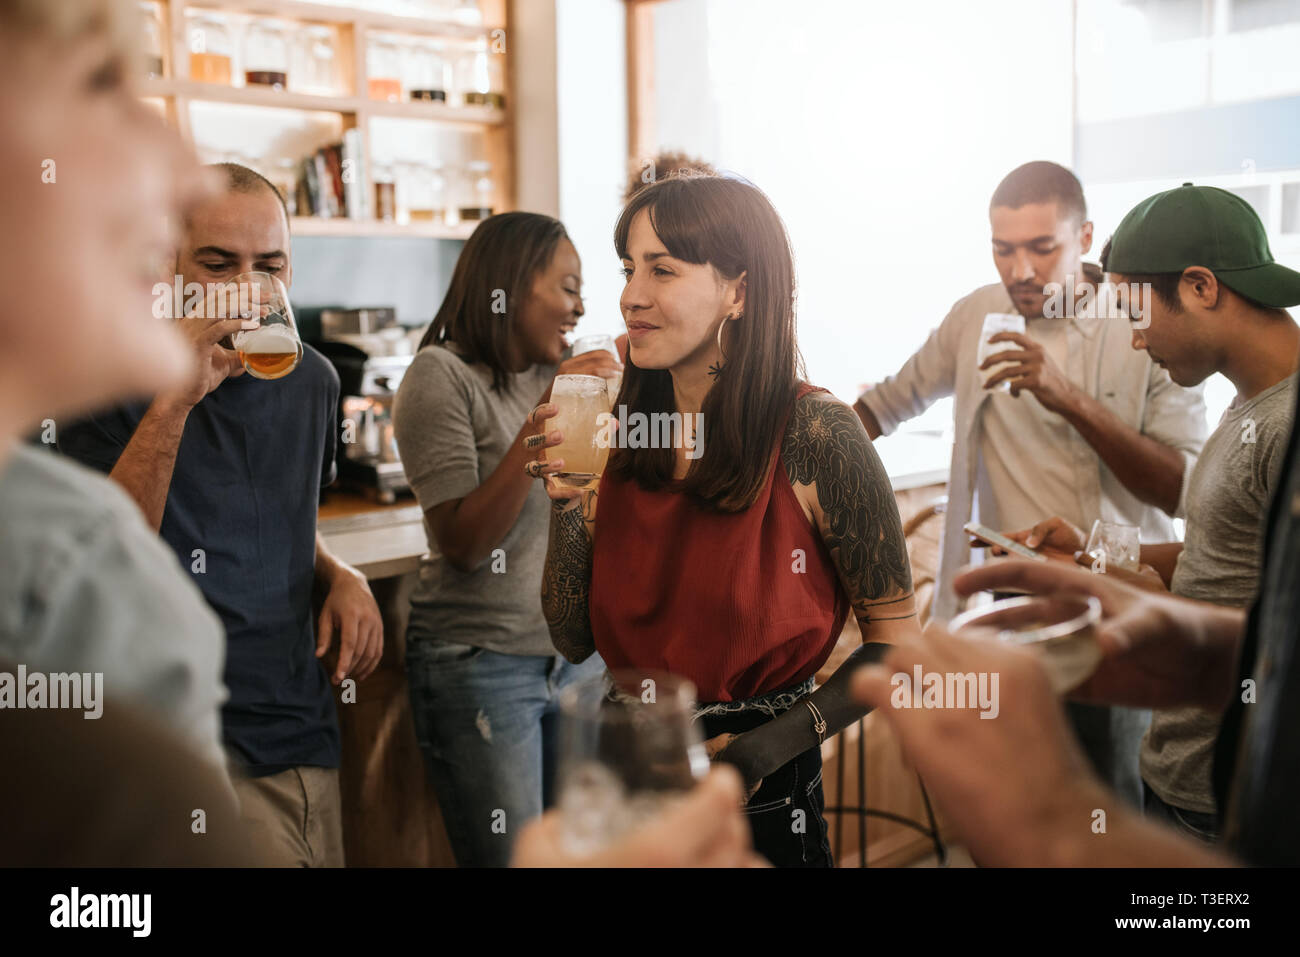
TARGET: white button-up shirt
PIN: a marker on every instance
(1051, 469)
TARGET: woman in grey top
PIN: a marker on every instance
(484, 675)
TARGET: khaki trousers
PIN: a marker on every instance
(294, 818)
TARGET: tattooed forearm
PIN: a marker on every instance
(566, 580)
(826, 448)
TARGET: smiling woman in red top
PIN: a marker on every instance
(733, 560)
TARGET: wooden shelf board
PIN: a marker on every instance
(330, 13)
(196, 92)
(342, 226)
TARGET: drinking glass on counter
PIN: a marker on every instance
(627, 749)
(591, 344)
(1114, 545)
(1062, 631)
(211, 49)
(583, 402)
(273, 349)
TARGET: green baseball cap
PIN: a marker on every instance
(1203, 226)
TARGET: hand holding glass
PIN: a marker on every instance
(583, 404)
(1061, 630)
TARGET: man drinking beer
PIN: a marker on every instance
(229, 469)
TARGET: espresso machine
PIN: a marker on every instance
(371, 352)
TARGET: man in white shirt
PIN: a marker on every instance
(1090, 428)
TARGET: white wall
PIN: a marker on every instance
(592, 97)
(879, 130)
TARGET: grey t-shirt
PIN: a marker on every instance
(1227, 500)
(86, 586)
(452, 431)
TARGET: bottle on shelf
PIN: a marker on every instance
(383, 71)
(315, 63)
(266, 54)
(426, 72)
(153, 43)
(480, 194)
(385, 194)
(211, 48)
(473, 84)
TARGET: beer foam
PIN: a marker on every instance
(269, 339)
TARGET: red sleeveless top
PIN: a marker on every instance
(742, 603)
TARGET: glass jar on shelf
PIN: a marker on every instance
(426, 72)
(383, 70)
(152, 48)
(428, 194)
(468, 13)
(315, 62)
(385, 194)
(473, 85)
(479, 198)
(266, 54)
(211, 48)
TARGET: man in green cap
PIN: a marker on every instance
(1218, 304)
(1202, 257)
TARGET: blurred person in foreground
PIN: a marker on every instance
(1207, 314)
(90, 176)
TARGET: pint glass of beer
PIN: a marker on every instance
(273, 349)
(584, 410)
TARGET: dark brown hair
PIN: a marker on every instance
(502, 256)
(1041, 182)
(732, 226)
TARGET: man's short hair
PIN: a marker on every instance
(241, 179)
(1041, 182)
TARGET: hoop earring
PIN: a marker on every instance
(716, 369)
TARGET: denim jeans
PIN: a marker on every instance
(486, 723)
(785, 814)
(1204, 827)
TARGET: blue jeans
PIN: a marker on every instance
(486, 723)
(1204, 827)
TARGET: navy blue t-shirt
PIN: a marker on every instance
(241, 517)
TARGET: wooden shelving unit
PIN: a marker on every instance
(176, 94)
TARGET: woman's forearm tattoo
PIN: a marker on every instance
(566, 581)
